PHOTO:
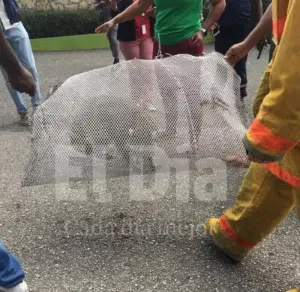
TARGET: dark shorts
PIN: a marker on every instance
(185, 47)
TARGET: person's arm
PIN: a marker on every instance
(136, 8)
(261, 30)
(18, 76)
(275, 129)
(217, 8)
(8, 60)
(239, 51)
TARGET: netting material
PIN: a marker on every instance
(99, 117)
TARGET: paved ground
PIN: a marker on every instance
(126, 246)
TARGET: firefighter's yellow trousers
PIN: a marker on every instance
(263, 202)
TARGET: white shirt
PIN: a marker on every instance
(4, 18)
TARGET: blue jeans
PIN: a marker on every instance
(105, 15)
(11, 272)
(113, 43)
(20, 43)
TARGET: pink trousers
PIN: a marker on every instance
(139, 49)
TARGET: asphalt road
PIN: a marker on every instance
(126, 245)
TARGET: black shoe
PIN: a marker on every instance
(116, 61)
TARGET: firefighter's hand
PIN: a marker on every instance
(106, 27)
(236, 53)
(198, 39)
(23, 81)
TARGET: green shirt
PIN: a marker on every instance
(177, 20)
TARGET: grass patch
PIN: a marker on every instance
(70, 43)
(77, 43)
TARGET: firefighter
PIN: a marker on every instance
(271, 188)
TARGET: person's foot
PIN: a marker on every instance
(24, 119)
(22, 287)
(227, 245)
(116, 61)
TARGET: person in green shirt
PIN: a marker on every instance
(178, 28)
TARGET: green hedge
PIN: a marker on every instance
(44, 24)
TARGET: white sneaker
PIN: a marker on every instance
(22, 287)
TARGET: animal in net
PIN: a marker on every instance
(101, 117)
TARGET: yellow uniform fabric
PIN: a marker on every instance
(270, 190)
(275, 133)
(263, 203)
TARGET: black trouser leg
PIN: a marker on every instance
(229, 36)
(241, 70)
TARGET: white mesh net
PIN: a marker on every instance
(102, 119)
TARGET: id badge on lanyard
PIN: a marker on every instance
(144, 31)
